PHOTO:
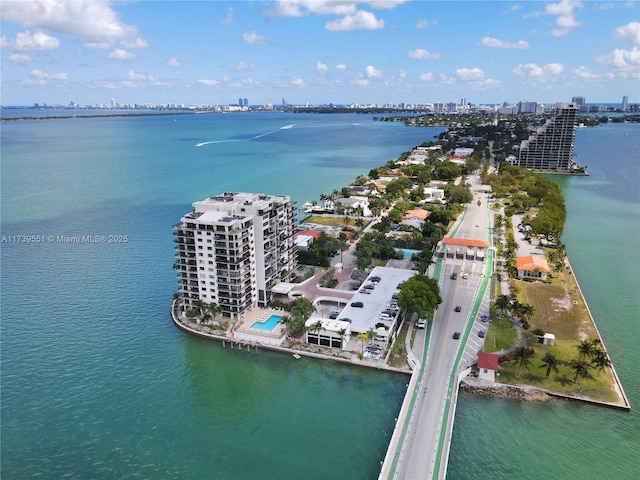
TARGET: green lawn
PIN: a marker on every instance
(600, 388)
(501, 335)
(330, 221)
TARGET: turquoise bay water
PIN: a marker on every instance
(97, 383)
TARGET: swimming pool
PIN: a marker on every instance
(269, 324)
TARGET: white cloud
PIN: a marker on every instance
(426, 77)
(301, 8)
(372, 72)
(228, 20)
(19, 58)
(38, 41)
(422, 54)
(119, 54)
(88, 19)
(536, 72)
(627, 62)
(360, 82)
(424, 24)
(361, 20)
(586, 74)
(629, 33)
(297, 82)
(173, 63)
(469, 74)
(136, 76)
(207, 83)
(446, 80)
(341, 66)
(253, 37)
(243, 67)
(137, 42)
(495, 43)
(321, 67)
(565, 19)
(38, 77)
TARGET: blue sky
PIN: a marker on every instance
(318, 51)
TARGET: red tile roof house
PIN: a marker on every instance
(532, 267)
(487, 366)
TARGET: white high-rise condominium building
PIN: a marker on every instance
(233, 249)
(551, 147)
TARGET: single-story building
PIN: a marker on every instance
(532, 267)
(432, 194)
(487, 366)
(331, 333)
(475, 249)
(416, 214)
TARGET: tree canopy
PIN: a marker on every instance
(420, 294)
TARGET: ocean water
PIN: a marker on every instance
(97, 383)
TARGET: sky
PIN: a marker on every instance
(318, 51)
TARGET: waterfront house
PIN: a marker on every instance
(532, 267)
(487, 366)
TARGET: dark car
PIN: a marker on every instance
(456, 335)
(380, 324)
(375, 279)
(482, 333)
(454, 275)
(457, 309)
(334, 315)
(484, 318)
(357, 304)
(345, 319)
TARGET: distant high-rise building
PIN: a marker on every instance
(245, 102)
(284, 102)
(579, 101)
(528, 107)
(463, 101)
(551, 147)
(240, 102)
(232, 249)
(625, 100)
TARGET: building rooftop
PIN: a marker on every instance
(488, 360)
(532, 263)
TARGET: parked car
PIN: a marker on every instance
(482, 333)
(421, 323)
(370, 286)
(484, 318)
(366, 292)
(375, 279)
(334, 315)
(345, 319)
(357, 304)
(457, 309)
(456, 335)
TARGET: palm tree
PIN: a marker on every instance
(342, 333)
(362, 337)
(586, 348)
(527, 310)
(503, 303)
(359, 222)
(200, 307)
(371, 334)
(316, 327)
(521, 354)
(600, 360)
(551, 362)
(581, 369)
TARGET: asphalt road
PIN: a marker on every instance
(421, 450)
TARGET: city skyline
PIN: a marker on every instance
(317, 51)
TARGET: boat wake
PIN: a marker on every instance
(286, 127)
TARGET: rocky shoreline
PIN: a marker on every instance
(485, 388)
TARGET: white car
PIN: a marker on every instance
(421, 323)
